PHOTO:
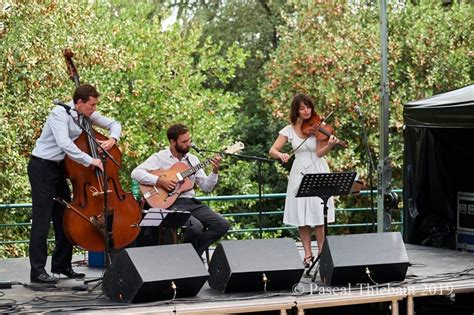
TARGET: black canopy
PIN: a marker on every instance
(438, 163)
(453, 109)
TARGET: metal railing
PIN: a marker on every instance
(260, 214)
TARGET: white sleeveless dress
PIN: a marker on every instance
(304, 211)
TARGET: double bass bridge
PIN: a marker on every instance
(95, 192)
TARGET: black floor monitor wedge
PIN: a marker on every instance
(363, 258)
(255, 265)
(152, 273)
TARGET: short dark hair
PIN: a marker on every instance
(83, 92)
(295, 106)
(176, 130)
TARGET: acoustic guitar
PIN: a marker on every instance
(159, 197)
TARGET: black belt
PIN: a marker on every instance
(34, 157)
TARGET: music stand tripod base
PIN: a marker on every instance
(324, 186)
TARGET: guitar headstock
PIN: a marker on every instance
(236, 147)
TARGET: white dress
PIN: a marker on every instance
(303, 211)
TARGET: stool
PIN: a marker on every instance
(169, 235)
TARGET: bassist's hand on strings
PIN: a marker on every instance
(98, 163)
(106, 144)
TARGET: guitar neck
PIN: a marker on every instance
(193, 169)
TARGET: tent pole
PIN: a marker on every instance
(384, 167)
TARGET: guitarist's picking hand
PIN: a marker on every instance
(216, 163)
(167, 183)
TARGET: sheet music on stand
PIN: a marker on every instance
(165, 218)
(326, 184)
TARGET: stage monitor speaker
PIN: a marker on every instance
(145, 274)
(363, 258)
(255, 265)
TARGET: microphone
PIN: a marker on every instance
(195, 147)
(66, 107)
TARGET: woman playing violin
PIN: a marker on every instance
(304, 212)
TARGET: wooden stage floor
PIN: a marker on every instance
(433, 273)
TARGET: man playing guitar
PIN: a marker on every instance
(204, 226)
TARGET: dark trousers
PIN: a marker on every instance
(204, 226)
(47, 182)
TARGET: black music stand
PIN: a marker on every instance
(165, 218)
(324, 186)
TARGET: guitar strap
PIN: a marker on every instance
(189, 163)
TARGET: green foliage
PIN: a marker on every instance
(252, 25)
(219, 74)
(331, 51)
(149, 78)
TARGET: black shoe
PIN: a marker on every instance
(69, 273)
(308, 261)
(43, 278)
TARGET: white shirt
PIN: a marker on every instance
(60, 131)
(164, 159)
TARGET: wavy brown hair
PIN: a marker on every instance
(295, 106)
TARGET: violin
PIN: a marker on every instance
(315, 125)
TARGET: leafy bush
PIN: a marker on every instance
(331, 51)
(149, 78)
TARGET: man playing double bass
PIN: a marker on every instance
(47, 179)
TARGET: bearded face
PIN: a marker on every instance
(183, 143)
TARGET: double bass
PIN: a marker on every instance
(100, 208)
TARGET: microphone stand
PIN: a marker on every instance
(259, 161)
(107, 225)
(370, 166)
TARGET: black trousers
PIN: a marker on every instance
(204, 226)
(47, 181)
